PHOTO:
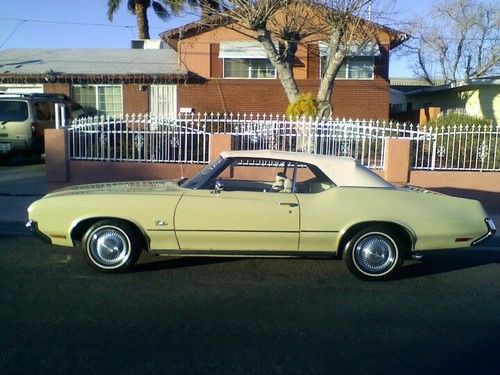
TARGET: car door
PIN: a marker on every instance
(237, 221)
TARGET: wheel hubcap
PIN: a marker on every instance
(109, 247)
(375, 254)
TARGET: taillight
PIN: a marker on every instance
(36, 129)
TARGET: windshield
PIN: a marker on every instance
(11, 110)
(210, 171)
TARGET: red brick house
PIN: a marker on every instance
(226, 84)
(199, 69)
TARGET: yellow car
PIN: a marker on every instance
(261, 203)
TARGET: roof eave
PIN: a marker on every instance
(94, 78)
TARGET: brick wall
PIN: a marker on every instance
(351, 98)
(57, 88)
(135, 100)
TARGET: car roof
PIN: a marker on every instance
(343, 171)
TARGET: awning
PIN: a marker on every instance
(355, 49)
(242, 50)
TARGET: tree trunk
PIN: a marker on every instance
(334, 61)
(285, 71)
(142, 20)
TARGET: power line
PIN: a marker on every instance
(12, 33)
(66, 22)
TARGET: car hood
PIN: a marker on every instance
(153, 186)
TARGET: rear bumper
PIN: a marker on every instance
(490, 225)
(32, 226)
(9, 146)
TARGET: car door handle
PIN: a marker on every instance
(288, 204)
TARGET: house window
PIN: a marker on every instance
(245, 59)
(248, 68)
(100, 99)
(353, 68)
(358, 65)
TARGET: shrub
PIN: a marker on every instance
(454, 118)
(306, 105)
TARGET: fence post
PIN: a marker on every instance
(397, 160)
(217, 144)
(56, 155)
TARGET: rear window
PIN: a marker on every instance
(11, 110)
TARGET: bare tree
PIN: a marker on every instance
(282, 25)
(458, 40)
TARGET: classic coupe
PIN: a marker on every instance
(261, 203)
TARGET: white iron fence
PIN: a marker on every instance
(186, 139)
(138, 138)
(462, 147)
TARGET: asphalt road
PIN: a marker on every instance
(246, 316)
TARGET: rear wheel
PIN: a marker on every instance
(111, 246)
(374, 253)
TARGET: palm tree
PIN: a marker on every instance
(139, 8)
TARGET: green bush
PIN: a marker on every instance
(452, 119)
(306, 105)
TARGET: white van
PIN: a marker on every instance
(24, 117)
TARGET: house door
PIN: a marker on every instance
(163, 100)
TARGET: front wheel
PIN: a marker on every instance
(374, 254)
(111, 246)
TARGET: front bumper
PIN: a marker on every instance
(491, 232)
(32, 226)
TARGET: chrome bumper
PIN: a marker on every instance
(491, 232)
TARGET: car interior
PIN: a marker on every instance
(274, 176)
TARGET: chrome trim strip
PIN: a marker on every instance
(491, 232)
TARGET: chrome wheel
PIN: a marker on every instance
(108, 247)
(375, 254)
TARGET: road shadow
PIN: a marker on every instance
(151, 264)
(20, 159)
(443, 261)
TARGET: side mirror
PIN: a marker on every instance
(218, 186)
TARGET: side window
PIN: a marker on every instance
(43, 111)
(311, 180)
(247, 174)
(271, 176)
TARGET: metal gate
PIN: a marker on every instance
(163, 100)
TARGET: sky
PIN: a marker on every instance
(84, 24)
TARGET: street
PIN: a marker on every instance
(282, 316)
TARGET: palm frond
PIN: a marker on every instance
(160, 10)
(113, 5)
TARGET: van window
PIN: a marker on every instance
(44, 111)
(11, 110)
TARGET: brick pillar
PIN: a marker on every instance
(56, 155)
(397, 160)
(219, 143)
